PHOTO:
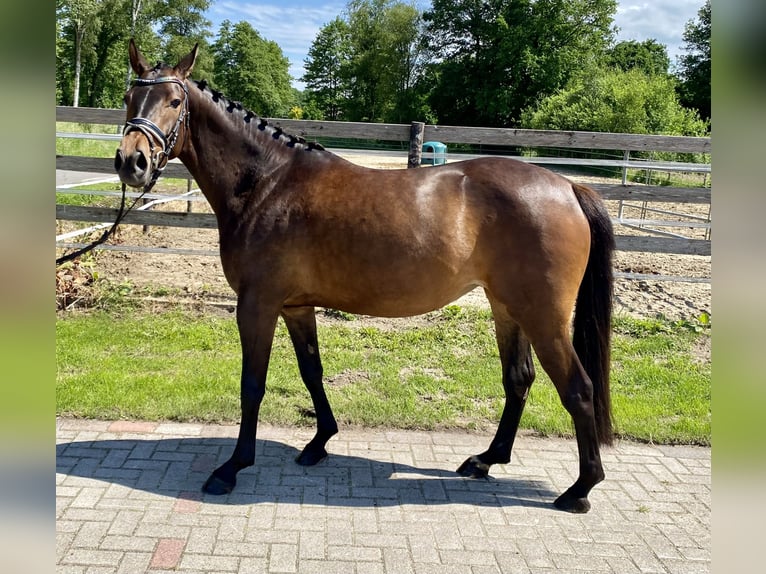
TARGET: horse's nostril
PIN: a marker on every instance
(141, 162)
(117, 160)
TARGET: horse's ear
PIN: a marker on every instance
(137, 60)
(186, 64)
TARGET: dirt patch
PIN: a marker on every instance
(702, 350)
(200, 277)
(347, 377)
(73, 286)
(435, 374)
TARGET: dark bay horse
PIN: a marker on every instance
(301, 227)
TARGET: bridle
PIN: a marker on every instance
(159, 157)
(158, 160)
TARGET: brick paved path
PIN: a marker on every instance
(128, 500)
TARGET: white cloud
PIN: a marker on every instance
(661, 20)
(292, 27)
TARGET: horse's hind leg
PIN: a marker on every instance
(518, 374)
(301, 324)
(557, 356)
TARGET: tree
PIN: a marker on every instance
(327, 69)
(92, 48)
(383, 37)
(649, 56)
(59, 60)
(407, 63)
(183, 24)
(308, 106)
(613, 100)
(92, 36)
(494, 58)
(79, 16)
(252, 69)
(694, 66)
(364, 66)
(107, 69)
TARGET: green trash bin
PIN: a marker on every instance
(434, 153)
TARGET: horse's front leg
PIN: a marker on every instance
(301, 324)
(256, 322)
(518, 374)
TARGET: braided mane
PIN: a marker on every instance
(248, 116)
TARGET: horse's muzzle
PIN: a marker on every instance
(133, 168)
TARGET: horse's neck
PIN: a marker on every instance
(230, 158)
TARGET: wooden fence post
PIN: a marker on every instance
(416, 144)
(188, 191)
(144, 228)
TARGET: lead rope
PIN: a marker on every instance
(121, 213)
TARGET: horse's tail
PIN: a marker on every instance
(593, 312)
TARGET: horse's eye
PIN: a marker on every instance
(175, 103)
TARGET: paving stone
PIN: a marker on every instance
(211, 564)
(90, 557)
(128, 500)
(283, 558)
(133, 562)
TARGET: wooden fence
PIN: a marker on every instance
(629, 195)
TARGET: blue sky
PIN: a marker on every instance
(293, 24)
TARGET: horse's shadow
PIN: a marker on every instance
(178, 467)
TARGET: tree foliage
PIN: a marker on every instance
(494, 58)
(92, 38)
(252, 69)
(694, 65)
(183, 24)
(73, 30)
(327, 69)
(613, 100)
(89, 70)
(363, 67)
(541, 63)
(649, 56)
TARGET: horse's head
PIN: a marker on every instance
(157, 118)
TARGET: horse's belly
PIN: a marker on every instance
(389, 294)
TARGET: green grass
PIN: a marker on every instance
(71, 197)
(85, 147)
(183, 365)
(668, 178)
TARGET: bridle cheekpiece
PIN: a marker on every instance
(159, 157)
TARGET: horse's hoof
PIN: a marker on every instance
(217, 486)
(473, 468)
(571, 504)
(310, 456)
